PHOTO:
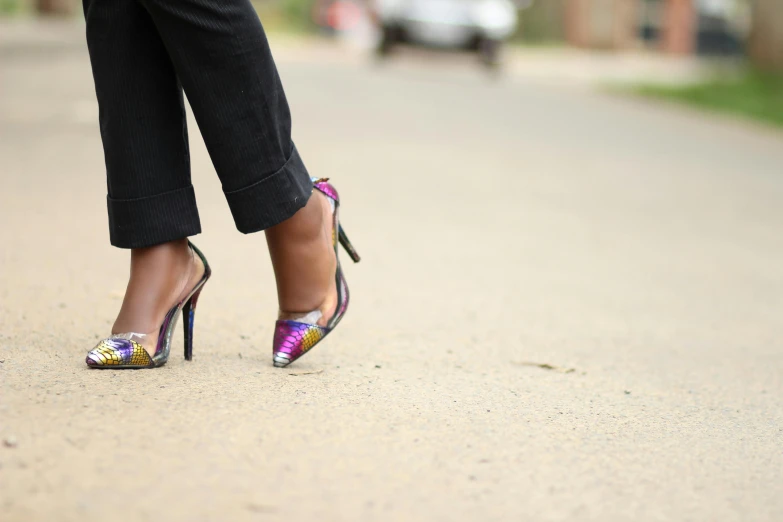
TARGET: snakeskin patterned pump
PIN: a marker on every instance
(124, 351)
(295, 338)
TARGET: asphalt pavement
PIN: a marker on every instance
(569, 308)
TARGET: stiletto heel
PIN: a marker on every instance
(346, 243)
(188, 319)
(295, 338)
(121, 351)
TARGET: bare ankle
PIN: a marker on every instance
(159, 277)
(305, 225)
(304, 261)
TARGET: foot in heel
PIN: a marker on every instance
(156, 276)
(314, 275)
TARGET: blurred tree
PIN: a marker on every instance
(298, 12)
(765, 45)
(543, 21)
(55, 7)
(9, 6)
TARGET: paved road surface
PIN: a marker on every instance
(636, 249)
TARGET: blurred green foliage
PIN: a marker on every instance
(297, 12)
(285, 15)
(8, 7)
(754, 94)
(542, 23)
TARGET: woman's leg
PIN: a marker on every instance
(304, 261)
(142, 120)
(151, 203)
(222, 57)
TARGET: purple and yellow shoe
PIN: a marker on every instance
(125, 351)
(294, 338)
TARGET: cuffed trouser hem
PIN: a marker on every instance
(272, 200)
(150, 221)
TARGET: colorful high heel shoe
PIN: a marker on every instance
(124, 351)
(295, 338)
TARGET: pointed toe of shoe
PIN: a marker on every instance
(96, 359)
(118, 353)
(281, 359)
(293, 340)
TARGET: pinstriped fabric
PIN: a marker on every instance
(143, 53)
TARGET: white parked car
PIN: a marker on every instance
(479, 25)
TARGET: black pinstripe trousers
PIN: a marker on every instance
(143, 53)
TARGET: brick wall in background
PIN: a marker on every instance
(616, 24)
(766, 38)
(680, 26)
(603, 24)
